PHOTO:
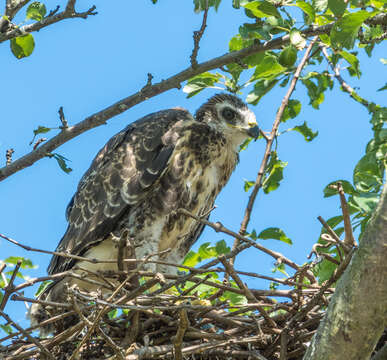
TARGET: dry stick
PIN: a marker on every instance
(42, 324)
(112, 344)
(29, 248)
(182, 279)
(178, 341)
(96, 320)
(334, 236)
(284, 346)
(349, 239)
(269, 143)
(28, 336)
(9, 289)
(218, 227)
(197, 37)
(249, 295)
(100, 118)
(347, 88)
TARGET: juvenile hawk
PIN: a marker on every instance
(156, 165)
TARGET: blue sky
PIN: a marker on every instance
(85, 66)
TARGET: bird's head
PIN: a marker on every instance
(229, 115)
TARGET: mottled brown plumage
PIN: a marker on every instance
(156, 165)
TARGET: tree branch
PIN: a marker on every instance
(353, 324)
(269, 143)
(49, 20)
(100, 117)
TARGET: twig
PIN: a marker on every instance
(269, 143)
(62, 118)
(249, 295)
(10, 288)
(178, 341)
(347, 88)
(28, 336)
(42, 324)
(8, 156)
(197, 37)
(349, 240)
(218, 227)
(334, 236)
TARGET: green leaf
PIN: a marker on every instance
(281, 268)
(288, 56)
(41, 130)
(305, 131)
(61, 162)
(234, 299)
(268, 67)
(36, 11)
(276, 234)
(367, 201)
(112, 314)
(383, 61)
(353, 61)
(383, 88)
(206, 251)
(200, 82)
(245, 144)
(367, 175)
(297, 39)
(261, 88)
(324, 270)
(200, 5)
(25, 263)
(273, 173)
(22, 46)
(337, 7)
(248, 185)
(6, 328)
(261, 9)
(42, 287)
(347, 187)
(222, 248)
(292, 109)
(344, 31)
(191, 259)
(320, 5)
(307, 9)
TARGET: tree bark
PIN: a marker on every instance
(357, 314)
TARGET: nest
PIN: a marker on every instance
(155, 321)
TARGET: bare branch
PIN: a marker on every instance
(197, 37)
(49, 20)
(100, 118)
(347, 88)
(269, 143)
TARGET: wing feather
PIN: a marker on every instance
(119, 176)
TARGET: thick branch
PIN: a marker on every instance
(353, 324)
(100, 118)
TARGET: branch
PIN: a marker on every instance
(49, 20)
(197, 37)
(353, 324)
(347, 88)
(100, 117)
(269, 143)
(218, 227)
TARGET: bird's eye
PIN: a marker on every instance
(228, 114)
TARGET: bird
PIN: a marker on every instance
(139, 180)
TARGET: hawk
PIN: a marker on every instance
(160, 163)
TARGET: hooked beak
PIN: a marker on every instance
(253, 132)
